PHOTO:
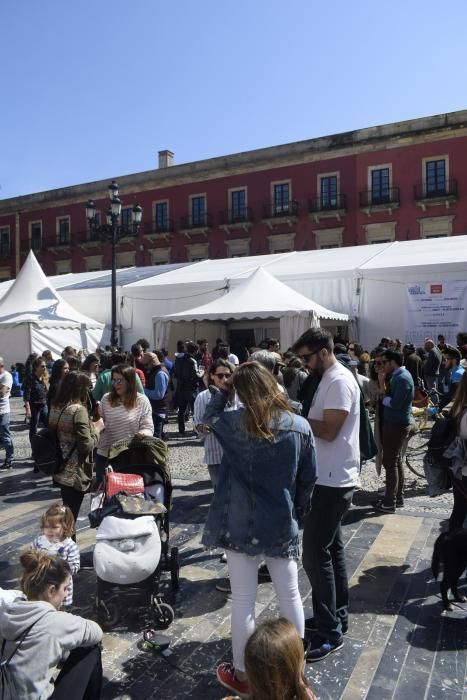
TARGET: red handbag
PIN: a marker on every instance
(130, 484)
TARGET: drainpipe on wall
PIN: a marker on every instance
(17, 239)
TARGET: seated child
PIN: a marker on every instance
(275, 662)
(57, 525)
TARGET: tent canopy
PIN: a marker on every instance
(34, 317)
(260, 296)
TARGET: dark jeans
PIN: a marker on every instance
(186, 401)
(101, 463)
(39, 414)
(158, 425)
(324, 559)
(81, 676)
(73, 499)
(459, 509)
(6, 436)
(395, 437)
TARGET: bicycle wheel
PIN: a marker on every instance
(415, 452)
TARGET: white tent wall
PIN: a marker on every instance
(14, 343)
(55, 339)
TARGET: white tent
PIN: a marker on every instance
(34, 317)
(259, 296)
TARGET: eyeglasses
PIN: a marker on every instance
(223, 376)
(117, 382)
(378, 363)
(306, 356)
(351, 347)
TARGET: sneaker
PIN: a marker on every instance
(223, 558)
(381, 507)
(7, 464)
(224, 586)
(310, 626)
(320, 648)
(263, 574)
(226, 676)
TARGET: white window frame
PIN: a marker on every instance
(371, 168)
(326, 237)
(320, 177)
(154, 204)
(273, 183)
(381, 232)
(441, 226)
(426, 160)
(57, 224)
(190, 209)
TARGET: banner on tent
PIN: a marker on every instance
(436, 308)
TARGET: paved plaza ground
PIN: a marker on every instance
(399, 644)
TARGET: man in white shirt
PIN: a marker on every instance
(6, 382)
(334, 417)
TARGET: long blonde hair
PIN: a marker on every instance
(274, 661)
(260, 394)
(460, 398)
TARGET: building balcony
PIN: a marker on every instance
(59, 240)
(373, 201)
(442, 194)
(36, 244)
(87, 239)
(333, 206)
(241, 218)
(276, 214)
(191, 225)
(155, 230)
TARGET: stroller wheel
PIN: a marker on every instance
(163, 614)
(174, 569)
(108, 613)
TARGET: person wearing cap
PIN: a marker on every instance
(157, 384)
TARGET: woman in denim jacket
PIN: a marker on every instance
(265, 481)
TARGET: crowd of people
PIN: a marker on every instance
(284, 436)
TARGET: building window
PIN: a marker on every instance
(63, 267)
(63, 230)
(384, 232)
(435, 177)
(126, 259)
(35, 235)
(329, 237)
(93, 263)
(160, 256)
(283, 243)
(281, 198)
(161, 216)
(328, 191)
(5, 242)
(198, 211)
(380, 185)
(436, 226)
(125, 216)
(237, 205)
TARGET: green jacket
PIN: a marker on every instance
(104, 385)
(77, 440)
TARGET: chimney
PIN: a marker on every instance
(166, 159)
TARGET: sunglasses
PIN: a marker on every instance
(223, 376)
(117, 382)
(305, 357)
(351, 347)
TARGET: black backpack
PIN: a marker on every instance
(46, 451)
(443, 432)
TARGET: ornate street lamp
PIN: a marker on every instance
(113, 230)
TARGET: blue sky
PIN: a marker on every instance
(93, 90)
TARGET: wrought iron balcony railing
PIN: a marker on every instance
(380, 196)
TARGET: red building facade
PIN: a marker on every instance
(395, 182)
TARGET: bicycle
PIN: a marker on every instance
(419, 436)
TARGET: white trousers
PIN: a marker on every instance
(243, 572)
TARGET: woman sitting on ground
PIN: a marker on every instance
(126, 414)
(77, 435)
(40, 637)
(263, 490)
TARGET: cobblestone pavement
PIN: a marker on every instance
(399, 645)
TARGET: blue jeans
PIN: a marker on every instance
(39, 414)
(158, 425)
(324, 559)
(6, 436)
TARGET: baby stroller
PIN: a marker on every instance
(132, 540)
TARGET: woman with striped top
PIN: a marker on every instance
(126, 413)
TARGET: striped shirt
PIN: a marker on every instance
(67, 550)
(123, 423)
(212, 449)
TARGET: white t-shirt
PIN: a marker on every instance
(5, 380)
(339, 460)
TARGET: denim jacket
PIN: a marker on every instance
(264, 486)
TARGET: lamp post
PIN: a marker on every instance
(112, 231)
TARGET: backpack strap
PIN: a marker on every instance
(6, 662)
